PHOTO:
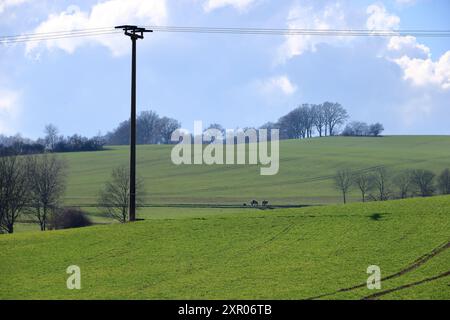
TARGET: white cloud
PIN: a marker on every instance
(423, 72)
(4, 4)
(380, 19)
(301, 17)
(408, 45)
(240, 5)
(280, 84)
(9, 110)
(104, 14)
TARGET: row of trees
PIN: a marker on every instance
(380, 184)
(52, 142)
(150, 129)
(362, 129)
(308, 119)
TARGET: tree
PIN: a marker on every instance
(444, 182)
(318, 118)
(14, 190)
(115, 195)
(343, 181)
(166, 127)
(364, 181)
(381, 184)
(147, 128)
(356, 129)
(424, 181)
(335, 115)
(51, 136)
(376, 129)
(47, 184)
(403, 183)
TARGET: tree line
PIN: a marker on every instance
(51, 142)
(381, 184)
(305, 121)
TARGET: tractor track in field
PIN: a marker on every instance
(416, 264)
(405, 286)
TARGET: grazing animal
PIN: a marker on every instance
(265, 203)
(254, 203)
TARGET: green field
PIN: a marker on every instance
(255, 254)
(306, 168)
(197, 241)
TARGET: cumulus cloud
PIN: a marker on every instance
(104, 14)
(380, 19)
(423, 72)
(277, 84)
(240, 5)
(408, 45)
(411, 56)
(302, 17)
(5, 4)
(9, 109)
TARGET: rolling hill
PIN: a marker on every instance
(306, 169)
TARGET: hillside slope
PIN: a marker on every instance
(314, 252)
(306, 169)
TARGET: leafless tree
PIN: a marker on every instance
(47, 177)
(402, 181)
(318, 118)
(335, 116)
(115, 195)
(343, 181)
(14, 190)
(423, 180)
(444, 182)
(51, 136)
(381, 184)
(364, 182)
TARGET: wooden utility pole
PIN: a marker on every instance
(134, 33)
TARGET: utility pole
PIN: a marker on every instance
(134, 33)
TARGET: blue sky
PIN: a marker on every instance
(82, 85)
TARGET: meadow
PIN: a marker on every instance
(304, 253)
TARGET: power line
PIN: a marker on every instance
(45, 36)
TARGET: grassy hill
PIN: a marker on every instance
(314, 252)
(306, 168)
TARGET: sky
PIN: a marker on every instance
(82, 85)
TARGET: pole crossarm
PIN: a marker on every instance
(134, 32)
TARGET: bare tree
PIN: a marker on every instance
(115, 195)
(335, 115)
(51, 136)
(14, 190)
(343, 181)
(444, 182)
(424, 181)
(364, 181)
(403, 183)
(381, 184)
(47, 177)
(318, 118)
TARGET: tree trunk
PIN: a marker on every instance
(345, 198)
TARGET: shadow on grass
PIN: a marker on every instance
(378, 216)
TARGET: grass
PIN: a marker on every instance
(306, 168)
(240, 254)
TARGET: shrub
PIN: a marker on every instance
(69, 218)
